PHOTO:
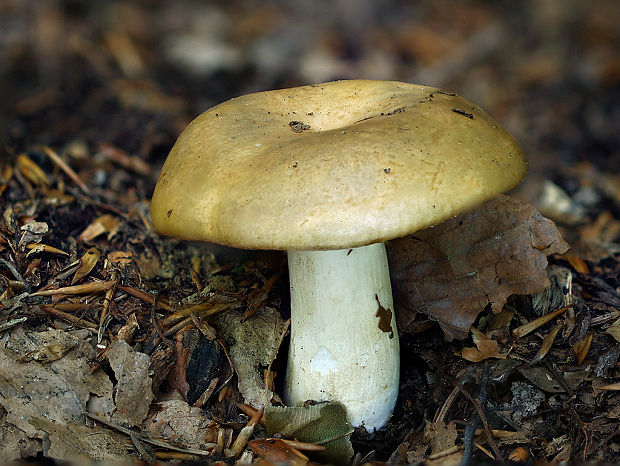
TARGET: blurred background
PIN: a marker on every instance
(91, 78)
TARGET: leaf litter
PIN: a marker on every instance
(146, 346)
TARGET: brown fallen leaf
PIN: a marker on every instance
(256, 344)
(86, 288)
(485, 348)
(133, 383)
(31, 171)
(87, 263)
(614, 330)
(105, 223)
(455, 269)
(525, 329)
(440, 436)
(518, 455)
(582, 347)
(546, 345)
(120, 257)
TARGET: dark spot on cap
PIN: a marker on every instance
(169, 213)
(463, 112)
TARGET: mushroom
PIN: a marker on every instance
(329, 172)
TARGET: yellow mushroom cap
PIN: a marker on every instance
(330, 166)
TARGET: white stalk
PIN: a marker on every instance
(344, 341)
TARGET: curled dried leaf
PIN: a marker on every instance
(525, 329)
(454, 270)
(31, 171)
(614, 330)
(103, 224)
(582, 347)
(485, 348)
(546, 344)
(87, 264)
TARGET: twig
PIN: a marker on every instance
(144, 296)
(345, 434)
(443, 411)
(69, 317)
(485, 423)
(86, 288)
(179, 326)
(12, 323)
(13, 270)
(66, 168)
(146, 439)
(473, 424)
(156, 326)
(107, 299)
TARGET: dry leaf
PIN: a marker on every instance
(32, 232)
(87, 263)
(582, 347)
(614, 330)
(15, 444)
(412, 450)
(256, 343)
(85, 288)
(5, 176)
(453, 270)
(546, 344)
(518, 455)
(57, 391)
(525, 329)
(177, 422)
(31, 171)
(440, 436)
(77, 443)
(127, 331)
(49, 353)
(133, 388)
(324, 423)
(485, 348)
(103, 224)
(120, 257)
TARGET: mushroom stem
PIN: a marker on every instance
(344, 342)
